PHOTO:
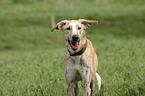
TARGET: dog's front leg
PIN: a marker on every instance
(87, 90)
(72, 89)
(92, 85)
(76, 89)
(86, 82)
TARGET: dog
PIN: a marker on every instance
(80, 60)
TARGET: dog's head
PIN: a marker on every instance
(74, 31)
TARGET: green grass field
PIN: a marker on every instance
(32, 57)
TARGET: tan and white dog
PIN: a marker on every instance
(80, 60)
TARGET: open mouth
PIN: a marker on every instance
(74, 44)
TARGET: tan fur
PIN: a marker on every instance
(84, 66)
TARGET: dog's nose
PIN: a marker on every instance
(75, 37)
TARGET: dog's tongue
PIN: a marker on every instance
(74, 45)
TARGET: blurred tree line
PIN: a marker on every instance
(67, 1)
(53, 1)
(45, 1)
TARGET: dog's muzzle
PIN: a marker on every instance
(74, 43)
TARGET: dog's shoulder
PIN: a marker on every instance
(89, 44)
(90, 47)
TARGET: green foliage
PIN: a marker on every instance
(32, 57)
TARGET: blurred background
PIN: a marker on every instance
(31, 56)
(26, 24)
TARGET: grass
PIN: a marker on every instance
(32, 58)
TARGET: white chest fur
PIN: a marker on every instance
(78, 67)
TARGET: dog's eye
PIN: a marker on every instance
(79, 28)
(68, 28)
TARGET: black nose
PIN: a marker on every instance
(75, 37)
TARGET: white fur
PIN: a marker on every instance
(74, 29)
(99, 80)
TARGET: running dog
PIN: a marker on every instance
(80, 60)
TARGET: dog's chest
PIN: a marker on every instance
(78, 62)
(75, 60)
(78, 67)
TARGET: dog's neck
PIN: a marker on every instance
(80, 51)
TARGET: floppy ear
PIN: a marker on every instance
(88, 23)
(59, 25)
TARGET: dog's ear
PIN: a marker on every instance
(59, 25)
(88, 23)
